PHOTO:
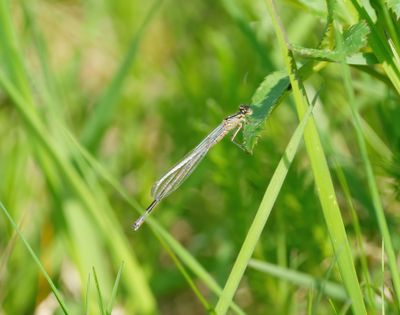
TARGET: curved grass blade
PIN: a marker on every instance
(102, 113)
(36, 259)
(87, 296)
(99, 295)
(331, 289)
(114, 291)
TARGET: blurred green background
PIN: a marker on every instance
(139, 84)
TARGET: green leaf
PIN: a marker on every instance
(355, 38)
(315, 53)
(394, 5)
(264, 100)
(269, 94)
(362, 59)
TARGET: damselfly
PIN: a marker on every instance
(169, 182)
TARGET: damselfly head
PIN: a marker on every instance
(245, 109)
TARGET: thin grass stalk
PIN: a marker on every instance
(36, 259)
(114, 290)
(330, 289)
(98, 290)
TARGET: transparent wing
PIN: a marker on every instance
(178, 173)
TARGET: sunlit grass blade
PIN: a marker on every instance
(383, 276)
(36, 259)
(115, 289)
(261, 217)
(323, 180)
(357, 228)
(87, 296)
(103, 110)
(49, 92)
(9, 48)
(372, 186)
(99, 295)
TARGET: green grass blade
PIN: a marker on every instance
(112, 232)
(193, 265)
(323, 180)
(9, 50)
(372, 186)
(378, 43)
(372, 308)
(102, 112)
(98, 290)
(261, 217)
(331, 289)
(49, 92)
(114, 291)
(185, 274)
(36, 259)
(383, 276)
(87, 296)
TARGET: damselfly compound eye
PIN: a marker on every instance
(245, 109)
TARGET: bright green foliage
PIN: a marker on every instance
(264, 100)
(355, 38)
(99, 98)
(394, 5)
